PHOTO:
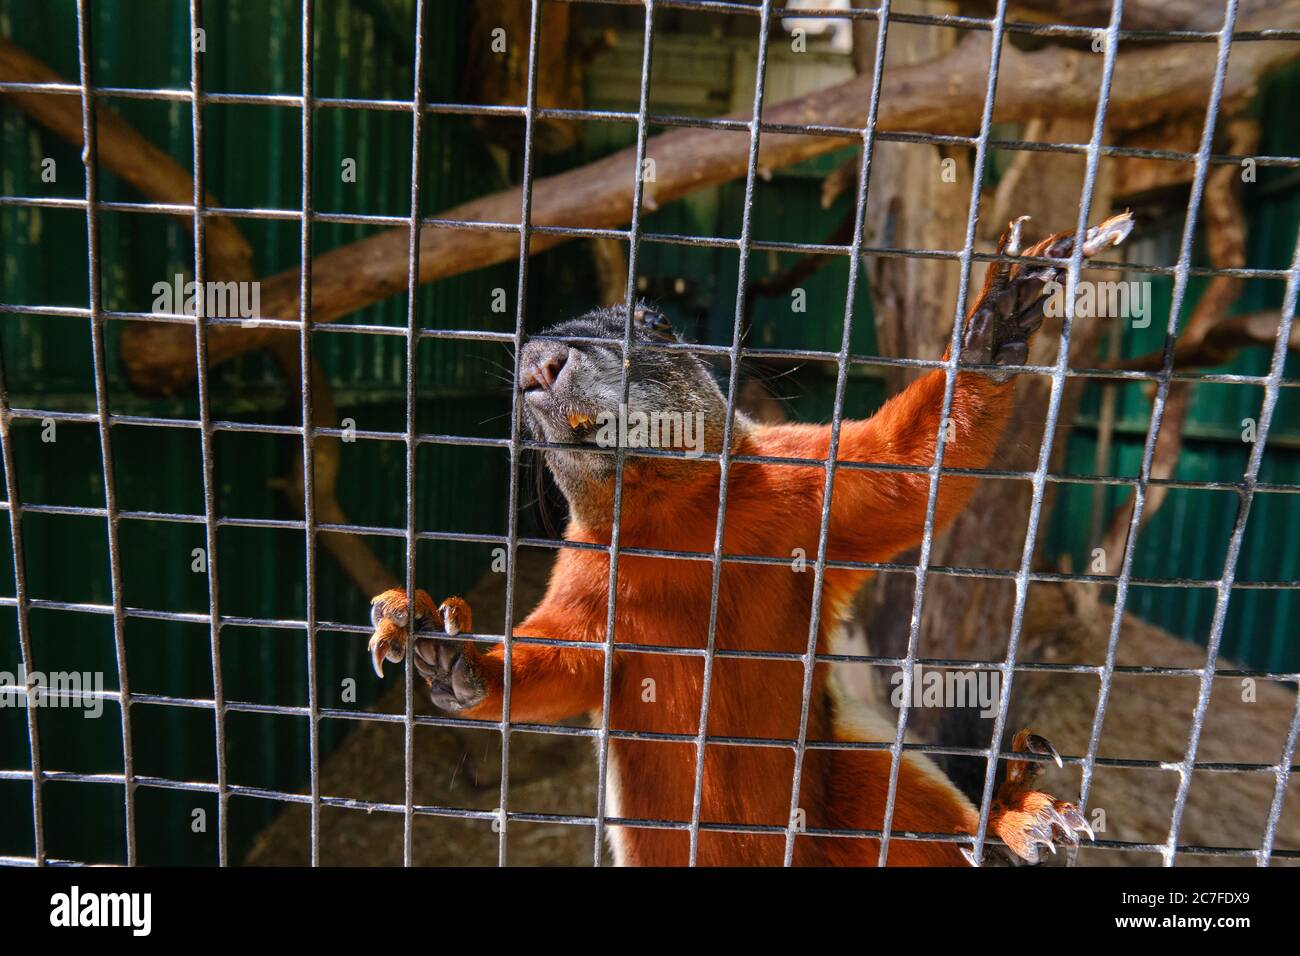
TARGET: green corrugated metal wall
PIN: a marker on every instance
(1188, 537)
(253, 161)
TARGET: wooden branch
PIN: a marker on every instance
(1218, 346)
(1139, 15)
(918, 97)
(123, 151)
(611, 270)
(352, 553)
(1224, 221)
(1147, 81)
(1164, 461)
(128, 154)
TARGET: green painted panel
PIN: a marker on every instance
(252, 157)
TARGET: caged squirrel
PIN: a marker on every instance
(671, 503)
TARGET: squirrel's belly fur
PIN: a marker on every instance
(761, 607)
(773, 511)
(774, 516)
(749, 785)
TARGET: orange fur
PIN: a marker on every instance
(772, 510)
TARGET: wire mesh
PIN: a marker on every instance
(635, 236)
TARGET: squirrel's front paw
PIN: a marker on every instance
(1027, 819)
(1010, 307)
(449, 668)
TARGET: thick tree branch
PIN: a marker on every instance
(1217, 346)
(928, 96)
(128, 154)
(123, 151)
(1151, 15)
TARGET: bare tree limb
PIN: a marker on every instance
(1218, 346)
(127, 154)
(352, 553)
(229, 258)
(1164, 461)
(1063, 83)
(1224, 222)
(1155, 15)
(611, 270)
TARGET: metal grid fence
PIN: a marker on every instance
(764, 10)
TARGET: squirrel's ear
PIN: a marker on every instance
(654, 324)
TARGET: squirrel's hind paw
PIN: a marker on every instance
(1026, 819)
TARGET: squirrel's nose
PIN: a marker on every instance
(541, 365)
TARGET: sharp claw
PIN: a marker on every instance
(1109, 233)
(1077, 823)
(1036, 744)
(1059, 820)
(377, 654)
(1070, 837)
(969, 856)
(1013, 245)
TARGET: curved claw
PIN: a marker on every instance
(455, 615)
(1037, 744)
(1109, 232)
(449, 668)
(387, 643)
(1075, 821)
(1028, 817)
(1012, 247)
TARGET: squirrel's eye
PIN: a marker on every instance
(655, 323)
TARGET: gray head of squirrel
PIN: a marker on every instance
(572, 395)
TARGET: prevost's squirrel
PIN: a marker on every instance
(773, 509)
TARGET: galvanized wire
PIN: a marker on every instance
(633, 251)
(412, 446)
(724, 460)
(1247, 496)
(945, 415)
(1109, 51)
(1158, 406)
(104, 420)
(205, 436)
(517, 340)
(794, 820)
(308, 425)
(22, 605)
(90, 158)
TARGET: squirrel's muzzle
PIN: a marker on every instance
(541, 365)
